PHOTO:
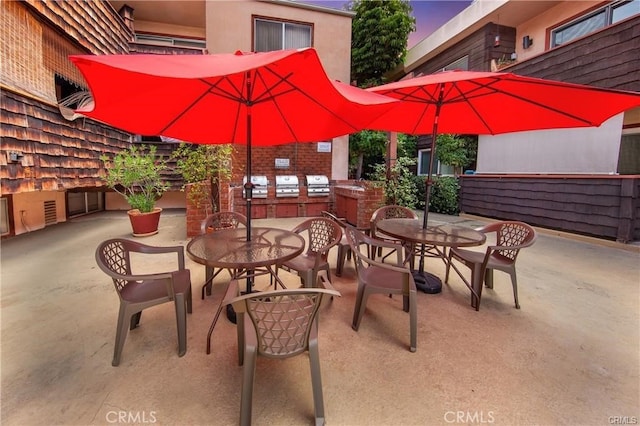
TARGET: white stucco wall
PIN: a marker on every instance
(580, 150)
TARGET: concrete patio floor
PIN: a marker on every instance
(571, 355)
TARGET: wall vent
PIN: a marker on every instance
(50, 214)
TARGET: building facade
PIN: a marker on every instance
(530, 176)
(50, 164)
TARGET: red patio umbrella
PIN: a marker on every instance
(257, 99)
(487, 103)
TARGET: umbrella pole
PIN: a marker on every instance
(426, 281)
(249, 185)
(434, 135)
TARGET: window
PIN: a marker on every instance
(460, 64)
(4, 216)
(170, 41)
(278, 35)
(79, 203)
(593, 21)
(69, 94)
(424, 157)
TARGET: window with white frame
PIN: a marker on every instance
(272, 35)
(600, 18)
(424, 158)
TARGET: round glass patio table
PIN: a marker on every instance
(435, 236)
(229, 249)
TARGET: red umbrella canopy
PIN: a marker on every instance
(467, 102)
(284, 95)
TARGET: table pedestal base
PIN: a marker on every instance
(428, 283)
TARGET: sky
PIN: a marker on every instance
(430, 14)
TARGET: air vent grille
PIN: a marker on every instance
(50, 214)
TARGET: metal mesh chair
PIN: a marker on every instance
(384, 278)
(344, 251)
(510, 238)
(212, 223)
(322, 234)
(282, 323)
(140, 291)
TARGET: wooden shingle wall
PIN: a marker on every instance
(94, 25)
(608, 58)
(600, 206)
(55, 154)
(39, 149)
(33, 49)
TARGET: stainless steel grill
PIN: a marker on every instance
(287, 186)
(317, 186)
(259, 186)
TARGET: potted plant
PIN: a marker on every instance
(136, 174)
(203, 169)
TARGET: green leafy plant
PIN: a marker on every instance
(365, 145)
(456, 151)
(200, 165)
(444, 195)
(380, 31)
(136, 174)
(401, 188)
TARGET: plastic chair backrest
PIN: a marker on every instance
(113, 257)
(222, 220)
(282, 318)
(322, 233)
(514, 234)
(334, 218)
(390, 212)
(363, 246)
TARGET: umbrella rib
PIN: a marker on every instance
(475, 111)
(210, 90)
(424, 112)
(267, 94)
(416, 95)
(303, 93)
(274, 97)
(530, 101)
(183, 112)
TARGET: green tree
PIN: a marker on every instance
(407, 145)
(366, 143)
(199, 164)
(379, 35)
(456, 151)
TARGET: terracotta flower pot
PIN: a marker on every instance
(144, 224)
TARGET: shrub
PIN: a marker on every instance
(136, 174)
(200, 165)
(401, 188)
(444, 195)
